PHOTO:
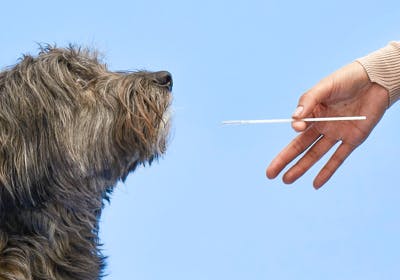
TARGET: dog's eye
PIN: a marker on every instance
(82, 82)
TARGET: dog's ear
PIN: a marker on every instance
(82, 64)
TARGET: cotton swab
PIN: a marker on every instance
(326, 119)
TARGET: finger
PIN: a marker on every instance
(342, 152)
(299, 126)
(320, 148)
(317, 95)
(291, 151)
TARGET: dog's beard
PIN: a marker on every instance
(163, 133)
(159, 116)
(159, 146)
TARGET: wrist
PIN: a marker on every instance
(383, 68)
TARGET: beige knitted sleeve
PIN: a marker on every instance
(383, 68)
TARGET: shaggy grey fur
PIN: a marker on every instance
(69, 130)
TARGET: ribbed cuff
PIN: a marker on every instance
(383, 68)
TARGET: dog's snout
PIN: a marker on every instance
(163, 78)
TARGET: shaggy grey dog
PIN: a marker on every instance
(69, 130)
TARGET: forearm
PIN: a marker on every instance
(383, 68)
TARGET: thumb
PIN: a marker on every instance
(309, 101)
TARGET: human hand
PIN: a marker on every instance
(347, 92)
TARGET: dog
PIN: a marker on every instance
(70, 129)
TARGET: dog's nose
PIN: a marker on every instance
(163, 78)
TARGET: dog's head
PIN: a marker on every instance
(64, 110)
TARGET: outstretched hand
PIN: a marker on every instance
(347, 92)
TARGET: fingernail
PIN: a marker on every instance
(297, 112)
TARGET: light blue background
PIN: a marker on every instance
(206, 211)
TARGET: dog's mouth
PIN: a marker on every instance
(161, 125)
(148, 114)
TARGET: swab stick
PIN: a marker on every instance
(326, 119)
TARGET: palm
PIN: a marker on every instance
(345, 93)
(351, 132)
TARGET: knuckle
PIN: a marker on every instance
(298, 147)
